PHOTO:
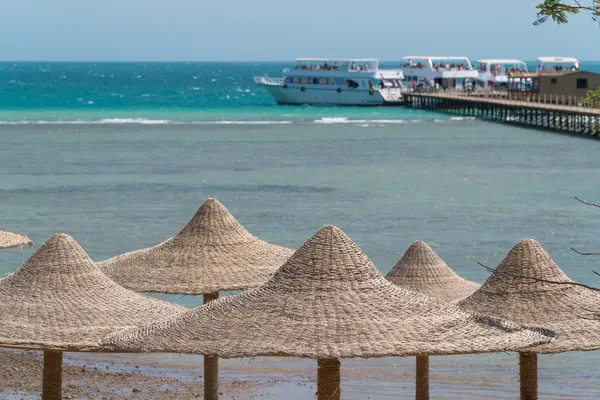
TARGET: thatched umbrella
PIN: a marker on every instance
(213, 252)
(421, 270)
(327, 302)
(9, 240)
(520, 290)
(59, 300)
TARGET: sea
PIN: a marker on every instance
(121, 155)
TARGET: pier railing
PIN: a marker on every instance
(529, 97)
(561, 113)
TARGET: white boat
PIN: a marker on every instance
(438, 72)
(557, 64)
(335, 81)
(493, 73)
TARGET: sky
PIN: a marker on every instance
(271, 30)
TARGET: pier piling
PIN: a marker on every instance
(564, 114)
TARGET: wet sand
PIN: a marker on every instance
(171, 376)
(21, 378)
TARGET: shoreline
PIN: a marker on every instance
(172, 376)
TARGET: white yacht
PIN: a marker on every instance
(335, 81)
(438, 72)
(557, 64)
(493, 73)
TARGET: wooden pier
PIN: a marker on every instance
(533, 112)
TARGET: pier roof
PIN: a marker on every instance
(538, 74)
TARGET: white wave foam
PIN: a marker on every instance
(243, 122)
(462, 118)
(344, 120)
(146, 121)
(141, 121)
(88, 122)
(332, 120)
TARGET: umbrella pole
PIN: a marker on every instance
(528, 373)
(211, 364)
(328, 379)
(52, 375)
(422, 378)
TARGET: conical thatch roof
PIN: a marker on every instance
(514, 292)
(60, 299)
(421, 270)
(327, 301)
(9, 240)
(213, 252)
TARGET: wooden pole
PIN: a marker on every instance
(211, 364)
(422, 392)
(528, 373)
(328, 379)
(52, 375)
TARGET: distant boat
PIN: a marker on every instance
(438, 72)
(335, 81)
(557, 64)
(493, 73)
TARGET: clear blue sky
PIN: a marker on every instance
(207, 30)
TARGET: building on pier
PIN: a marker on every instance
(555, 83)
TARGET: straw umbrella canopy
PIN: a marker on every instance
(59, 300)
(520, 289)
(213, 252)
(9, 240)
(421, 270)
(327, 302)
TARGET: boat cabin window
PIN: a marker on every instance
(450, 66)
(352, 84)
(313, 81)
(357, 65)
(413, 64)
(501, 67)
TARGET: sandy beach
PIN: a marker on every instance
(162, 376)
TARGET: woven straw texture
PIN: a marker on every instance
(560, 308)
(327, 301)
(421, 270)
(9, 240)
(60, 299)
(213, 252)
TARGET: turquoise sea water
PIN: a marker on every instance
(123, 162)
(160, 93)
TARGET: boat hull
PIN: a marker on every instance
(312, 96)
